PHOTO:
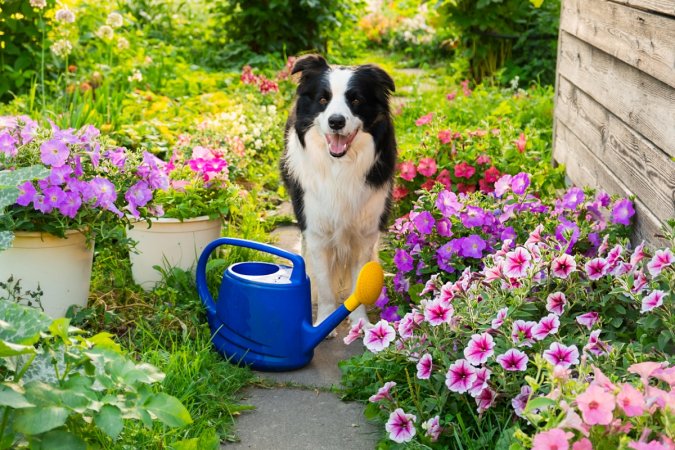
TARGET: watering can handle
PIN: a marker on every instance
(297, 275)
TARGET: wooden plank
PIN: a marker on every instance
(642, 102)
(647, 171)
(644, 40)
(585, 169)
(661, 6)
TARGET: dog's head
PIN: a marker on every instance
(340, 101)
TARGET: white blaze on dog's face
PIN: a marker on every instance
(337, 122)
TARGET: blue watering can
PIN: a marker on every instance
(263, 317)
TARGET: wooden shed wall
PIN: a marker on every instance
(615, 103)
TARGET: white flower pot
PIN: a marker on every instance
(60, 267)
(169, 243)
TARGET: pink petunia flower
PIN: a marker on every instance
(582, 444)
(601, 380)
(596, 268)
(445, 136)
(481, 381)
(519, 402)
(562, 355)
(589, 319)
(485, 399)
(379, 336)
(666, 374)
(563, 266)
(596, 405)
(438, 312)
(547, 325)
(464, 170)
(427, 167)
(630, 400)
(383, 393)
(513, 360)
(556, 302)
(499, 321)
(522, 333)
(424, 119)
(521, 142)
(460, 376)
(479, 349)
(401, 426)
(424, 367)
(595, 346)
(651, 445)
(517, 262)
(502, 185)
(639, 281)
(638, 254)
(645, 369)
(433, 428)
(651, 301)
(355, 332)
(555, 439)
(494, 273)
(408, 170)
(661, 260)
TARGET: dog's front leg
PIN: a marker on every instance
(320, 269)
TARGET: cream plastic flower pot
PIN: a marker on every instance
(169, 243)
(61, 268)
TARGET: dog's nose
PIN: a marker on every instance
(336, 122)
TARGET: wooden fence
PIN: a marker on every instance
(615, 103)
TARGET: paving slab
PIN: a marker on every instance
(302, 419)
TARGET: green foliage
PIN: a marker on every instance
(70, 390)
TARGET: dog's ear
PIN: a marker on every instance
(379, 75)
(309, 63)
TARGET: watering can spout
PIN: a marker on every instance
(368, 288)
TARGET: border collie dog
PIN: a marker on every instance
(338, 167)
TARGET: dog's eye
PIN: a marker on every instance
(323, 101)
(356, 102)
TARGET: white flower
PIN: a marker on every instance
(135, 76)
(105, 32)
(258, 144)
(38, 3)
(115, 20)
(122, 43)
(65, 16)
(62, 47)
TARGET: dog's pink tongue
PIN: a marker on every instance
(337, 144)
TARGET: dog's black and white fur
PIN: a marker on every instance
(338, 168)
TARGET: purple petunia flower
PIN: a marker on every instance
(403, 260)
(54, 153)
(390, 314)
(59, 175)
(54, 195)
(567, 232)
(138, 195)
(40, 205)
(118, 157)
(27, 194)
(520, 183)
(562, 355)
(622, 211)
(473, 217)
(573, 198)
(473, 246)
(7, 144)
(424, 222)
(513, 360)
(508, 233)
(588, 320)
(502, 185)
(70, 204)
(519, 402)
(444, 227)
(447, 203)
(103, 191)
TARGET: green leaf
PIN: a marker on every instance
(59, 328)
(538, 403)
(15, 177)
(21, 324)
(537, 3)
(9, 349)
(372, 411)
(169, 410)
(13, 399)
(6, 239)
(109, 419)
(40, 419)
(61, 440)
(8, 196)
(104, 340)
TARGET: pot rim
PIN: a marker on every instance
(42, 233)
(172, 220)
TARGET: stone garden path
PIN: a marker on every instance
(297, 409)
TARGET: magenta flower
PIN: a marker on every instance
(573, 198)
(494, 273)
(403, 260)
(354, 332)
(460, 376)
(595, 346)
(522, 332)
(8, 144)
(520, 183)
(651, 301)
(445, 136)
(70, 204)
(630, 400)
(502, 185)
(517, 262)
(554, 439)
(103, 191)
(424, 367)
(589, 319)
(661, 260)
(464, 170)
(408, 170)
(27, 194)
(556, 302)
(479, 349)
(383, 393)
(562, 355)
(424, 119)
(519, 402)
(438, 312)
(639, 281)
(138, 195)
(444, 227)
(485, 399)
(406, 325)
(473, 217)
(54, 196)
(447, 203)
(622, 211)
(433, 428)
(499, 321)
(481, 381)
(596, 268)
(401, 426)
(473, 246)
(547, 325)
(54, 153)
(563, 266)
(424, 222)
(427, 166)
(638, 254)
(596, 405)
(513, 360)
(379, 336)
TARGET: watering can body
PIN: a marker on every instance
(264, 310)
